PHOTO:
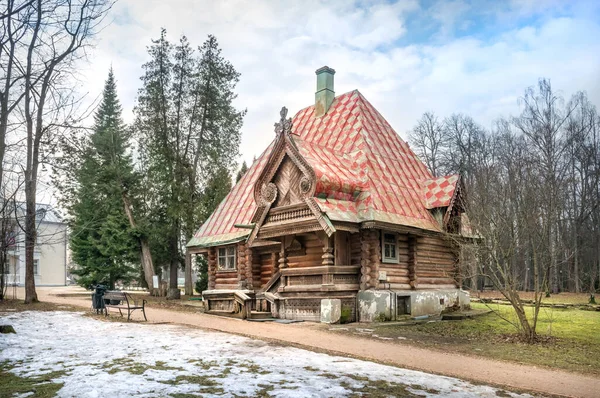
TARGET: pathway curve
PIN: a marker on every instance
(306, 335)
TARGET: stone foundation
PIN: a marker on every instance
(388, 305)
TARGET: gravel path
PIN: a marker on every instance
(309, 336)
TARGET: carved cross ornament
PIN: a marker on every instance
(284, 126)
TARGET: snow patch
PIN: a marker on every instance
(124, 360)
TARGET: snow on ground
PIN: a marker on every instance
(122, 360)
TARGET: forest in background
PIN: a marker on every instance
(532, 185)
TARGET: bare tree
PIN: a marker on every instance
(541, 122)
(50, 38)
(428, 139)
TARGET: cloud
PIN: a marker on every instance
(277, 46)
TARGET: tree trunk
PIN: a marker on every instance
(173, 292)
(189, 289)
(30, 238)
(147, 262)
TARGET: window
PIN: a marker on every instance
(390, 248)
(36, 266)
(227, 258)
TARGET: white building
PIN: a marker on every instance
(50, 255)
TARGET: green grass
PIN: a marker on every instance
(570, 338)
(41, 386)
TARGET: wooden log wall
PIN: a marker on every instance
(398, 275)
(224, 279)
(267, 262)
(256, 269)
(370, 258)
(312, 256)
(241, 266)
(212, 268)
(437, 263)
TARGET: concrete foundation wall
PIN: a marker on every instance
(433, 302)
(375, 305)
(387, 305)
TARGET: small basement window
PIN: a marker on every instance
(227, 258)
(390, 248)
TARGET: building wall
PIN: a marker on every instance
(437, 264)
(50, 252)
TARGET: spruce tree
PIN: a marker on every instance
(103, 244)
(242, 171)
(189, 131)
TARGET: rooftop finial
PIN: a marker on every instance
(285, 124)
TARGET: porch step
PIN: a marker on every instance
(260, 315)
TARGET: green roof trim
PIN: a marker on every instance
(218, 240)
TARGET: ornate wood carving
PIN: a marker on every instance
(291, 229)
(296, 183)
(287, 181)
(283, 256)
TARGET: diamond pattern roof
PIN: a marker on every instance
(364, 170)
(439, 191)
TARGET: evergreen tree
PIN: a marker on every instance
(215, 190)
(189, 131)
(242, 171)
(103, 244)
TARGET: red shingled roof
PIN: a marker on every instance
(364, 170)
(439, 191)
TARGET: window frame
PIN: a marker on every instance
(384, 258)
(36, 261)
(226, 259)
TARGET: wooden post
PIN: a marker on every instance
(365, 270)
(189, 289)
(342, 248)
(241, 265)
(275, 262)
(375, 258)
(283, 260)
(412, 261)
(249, 270)
(212, 268)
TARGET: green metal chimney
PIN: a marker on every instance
(325, 94)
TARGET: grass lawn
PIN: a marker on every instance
(560, 298)
(570, 337)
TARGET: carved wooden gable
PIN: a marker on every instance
(287, 179)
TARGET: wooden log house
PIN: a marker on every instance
(336, 205)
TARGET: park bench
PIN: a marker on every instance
(126, 302)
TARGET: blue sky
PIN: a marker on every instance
(406, 57)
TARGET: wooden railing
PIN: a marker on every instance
(322, 278)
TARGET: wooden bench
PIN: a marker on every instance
(126, 302)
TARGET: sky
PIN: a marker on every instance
(407, 57)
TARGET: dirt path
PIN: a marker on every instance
(309, 336)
